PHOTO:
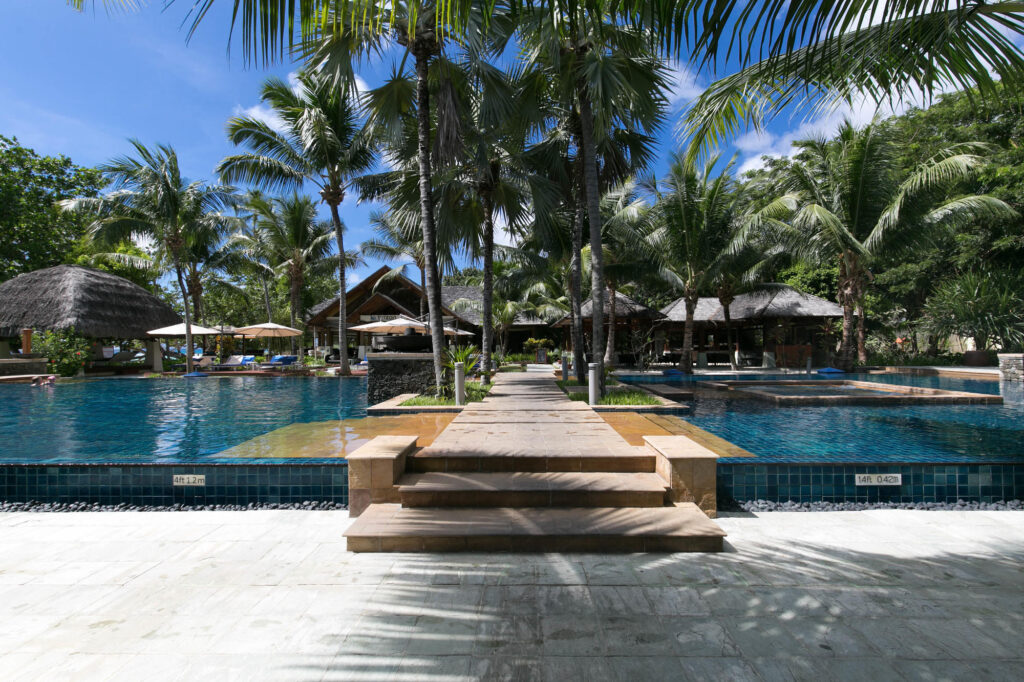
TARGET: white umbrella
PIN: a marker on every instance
(267, 329)
(451, 331)
(395, 326)
(179, 330)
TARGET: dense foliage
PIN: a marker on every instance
(35, 234)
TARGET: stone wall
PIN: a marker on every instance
(19, 367)
(1011, 366)
(391, 374)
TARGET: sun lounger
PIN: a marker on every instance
(279, 361)
(235, 362)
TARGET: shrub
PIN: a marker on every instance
(533, 344)
(66, 351)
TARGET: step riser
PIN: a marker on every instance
(626, 465)
(534, 498)
(536, 543)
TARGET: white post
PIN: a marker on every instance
(592, 381)
(154, 358)
(460, 383)
(565, 366)
(808, 365)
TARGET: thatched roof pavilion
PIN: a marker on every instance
(626, 310)
(91, 302)
(778, 302)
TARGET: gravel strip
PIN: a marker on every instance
(959, 505)
(34, 506)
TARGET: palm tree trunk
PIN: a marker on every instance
(593, 195)
(729, 332)
(296, 301)
(576, 296)
(343, 368)
(266, 296)
(432, 282)
(862, 351)
(488, 321)
(686, 362)
(188, 317)
(609, 351)
(846, 344)
(195, 290)
(423, 291)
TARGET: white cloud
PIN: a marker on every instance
(502, 235)
(685, 85)
(353, 278)
(261, 112)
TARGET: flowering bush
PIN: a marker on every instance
(66, 351)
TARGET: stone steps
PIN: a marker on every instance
(528, 489)
(393, 528)
(429, 460)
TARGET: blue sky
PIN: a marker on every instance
(81, 84)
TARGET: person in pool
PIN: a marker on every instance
(44, 381)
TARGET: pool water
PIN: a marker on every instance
(876, 434)
(163, 420)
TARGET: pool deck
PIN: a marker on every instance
(275, 595)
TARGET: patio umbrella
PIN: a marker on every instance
(395, 326)
(267, 329)
(179, 330)
(451, 331)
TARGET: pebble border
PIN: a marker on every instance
(790, 506)
(34, 506)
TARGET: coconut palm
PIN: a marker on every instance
(320, 142)
(695, 216)
(296, 243)
(850, 205)
(149, 199)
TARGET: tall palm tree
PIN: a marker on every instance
(150, 199)
(297, 244)
(606, 75)
(848, 204)
(695, 215)
(321, 142)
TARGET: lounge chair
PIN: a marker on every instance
(204, 362)
(279, 361)
(234, 362)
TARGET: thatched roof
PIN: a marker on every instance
(90, 302)
(625, 309)
(773, 303)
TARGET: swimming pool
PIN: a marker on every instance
(864, 434)
(145, 421)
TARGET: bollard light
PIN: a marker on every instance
(460, 383)
(592, 379)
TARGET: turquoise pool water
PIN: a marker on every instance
(862, 434)
(151, 420)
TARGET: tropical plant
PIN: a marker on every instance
(985, 305)
(320, 141)
(696, 215)
(65, 351)
(294, 241)
(849, 204)
(468, 355)
(606, 75)
(150, 200)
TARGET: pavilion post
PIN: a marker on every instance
(26, 341)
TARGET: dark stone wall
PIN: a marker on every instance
(14, 367)
(389, 376)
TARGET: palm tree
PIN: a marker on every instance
(849, 205)
(320, 142)
(296, 244)
(695, 215)
(150, 199)
(398, 238)
(606, 76)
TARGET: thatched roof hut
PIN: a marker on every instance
(778, 302)
(626, 309)
(90, 302)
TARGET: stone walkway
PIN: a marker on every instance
(527, 415)
(272, 595)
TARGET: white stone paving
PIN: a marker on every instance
(273, 595)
